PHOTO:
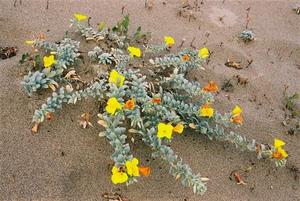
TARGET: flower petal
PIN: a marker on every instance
(278, 143)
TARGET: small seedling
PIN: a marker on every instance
(25, 57)
(290, 102)
(247, 36)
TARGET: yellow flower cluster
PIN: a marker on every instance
(279, 152)
(131, 169)
(166, 130)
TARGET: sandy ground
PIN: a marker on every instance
(64, 162)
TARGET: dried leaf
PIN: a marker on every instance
(71, 75)
(114, 197)
(151, 61)
(131, 130)
(237, 177)
(85, 120)
(102, 123)
(69, 88)
(192, 125)
(204, 179)
(100, 116)
(102, 134)
(52, 87)
(35, 128)
(233, 64)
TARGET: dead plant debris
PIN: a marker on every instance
(8, 52)
(233, 64)
(241, 80)
(235, 175)
(227, 85)
(85, 120)
(114, 197)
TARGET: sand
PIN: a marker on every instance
(65, 162)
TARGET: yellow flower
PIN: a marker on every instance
(203, 53)
(169, 41)
(279, 153)
(132, 168)
(113, 105)
(118, 176)
(29, 42)
(49, 61)
(206, 111)
(79, 17)
(134, 51)
(164, 130)
(236, 115)
(278, 143)
(178, 128)
(116, 78)
(236, 111)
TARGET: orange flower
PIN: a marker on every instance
(277, 155)
(237, 119)
(145, 171)
(129, 104)
(211, 87)
(185, 57)
(178, 128)
(156, 100)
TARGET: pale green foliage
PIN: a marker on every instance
(247, 36)
(180, 102)
(66, 54)
(102, 57)
(35, 81)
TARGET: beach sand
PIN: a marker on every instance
(65, 162)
